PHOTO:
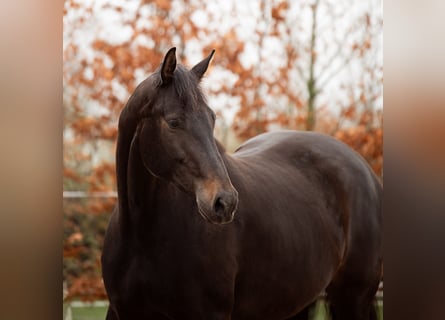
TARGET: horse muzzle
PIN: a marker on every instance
(217, 205)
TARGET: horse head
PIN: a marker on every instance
(175, 137)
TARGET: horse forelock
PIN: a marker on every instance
(186, 86)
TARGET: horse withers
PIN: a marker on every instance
(258, 234)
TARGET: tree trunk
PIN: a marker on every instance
(311, 82)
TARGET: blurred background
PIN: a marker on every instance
(303, 65)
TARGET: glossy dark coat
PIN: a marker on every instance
(259, 234)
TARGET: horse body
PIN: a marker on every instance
(308, 219)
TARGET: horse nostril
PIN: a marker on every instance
(225, 202)
(219, 205)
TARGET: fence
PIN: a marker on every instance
(86, 195)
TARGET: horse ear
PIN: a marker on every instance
(168, 65)
(201, 67)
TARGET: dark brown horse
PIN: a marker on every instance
(259, 234)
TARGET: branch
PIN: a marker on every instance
(291, 53)
(300, 71)
(331, 59)
(335, 72)
(337, 53)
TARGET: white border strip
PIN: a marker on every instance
(83, 304)
(83, 194)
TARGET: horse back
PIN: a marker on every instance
(317, 168)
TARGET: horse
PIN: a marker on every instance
(198, 233)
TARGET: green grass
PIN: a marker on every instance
(98, 313)
(86, 313)
(89, 313)
(321, 312)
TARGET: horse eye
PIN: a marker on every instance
(173, 123)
